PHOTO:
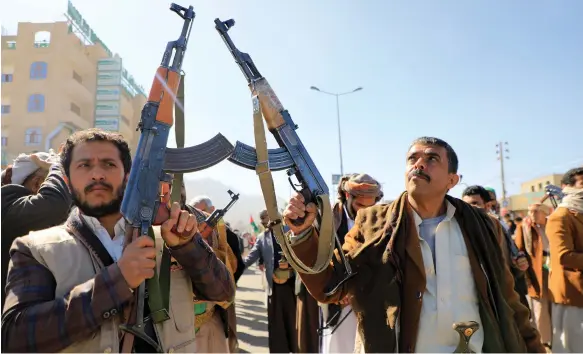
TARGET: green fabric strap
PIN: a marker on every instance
(159, 287)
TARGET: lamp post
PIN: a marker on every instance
(337, 95)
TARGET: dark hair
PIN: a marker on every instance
(518, 219)
(91, 135)
(452, 160)
(477, 190)
(7, 175)
(569, 177)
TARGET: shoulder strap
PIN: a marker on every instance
(78, 228)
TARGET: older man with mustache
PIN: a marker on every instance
(423, 263)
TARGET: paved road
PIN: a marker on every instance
(251, 313)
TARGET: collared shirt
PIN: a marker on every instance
(349, 221)
(114, 246)
(450, 292)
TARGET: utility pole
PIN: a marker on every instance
(502, 147)
(337, 95)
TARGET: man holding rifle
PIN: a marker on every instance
(70, 287)
(423, 263)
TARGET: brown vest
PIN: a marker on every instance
(71, 263)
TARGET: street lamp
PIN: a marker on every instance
(338, 117)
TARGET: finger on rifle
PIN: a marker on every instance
(299, 197)
(191, 223)
(148, 273)
(144, 241)
(295, 212)
(175, 211)
(148, 252)
(182, 220)
(297, 203)
(148, 264)
(311, 208)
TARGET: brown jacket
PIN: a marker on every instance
(565, 232)
(535, 286)
(375, 255)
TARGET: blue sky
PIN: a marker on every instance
(470, 72)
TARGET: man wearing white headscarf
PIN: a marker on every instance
(35, 196)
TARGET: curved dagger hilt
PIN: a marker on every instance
(465, 330)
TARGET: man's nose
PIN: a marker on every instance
(420, 164)
(97, 174)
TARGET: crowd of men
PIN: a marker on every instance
(423, 262)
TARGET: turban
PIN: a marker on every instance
(24, 166)
(360, 185)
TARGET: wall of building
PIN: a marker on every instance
(532, 192)
(49, 78)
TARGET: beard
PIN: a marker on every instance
(98, 211)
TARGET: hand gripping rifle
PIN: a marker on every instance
(291, 155)
(146, 200)
(212, 220)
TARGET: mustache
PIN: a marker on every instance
(95, 184)
(419, 173)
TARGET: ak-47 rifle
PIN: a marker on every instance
(146, 200)
(212, 220)
(291, 155)
(554, 193)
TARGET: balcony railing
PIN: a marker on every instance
(41, 44)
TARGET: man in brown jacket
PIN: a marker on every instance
(402, 303)
(565, 232)
(532, 239)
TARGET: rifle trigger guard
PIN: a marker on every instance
(293, 185)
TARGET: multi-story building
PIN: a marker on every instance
(58, 78)
(532, 192)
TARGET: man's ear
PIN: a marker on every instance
(454, 179)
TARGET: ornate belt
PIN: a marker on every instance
(201, 319)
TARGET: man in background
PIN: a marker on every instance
(565, 232)
(226, 238)
(35, 196)
(532, 239)
(479, 197)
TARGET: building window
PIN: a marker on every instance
(11, 44)
(38, 70)
(42, 39)
(532, 188)
(6, 77)
(36, 103)
(5, 108)
(76, 109)
(33, 136)
(4, 141)
(77, 77)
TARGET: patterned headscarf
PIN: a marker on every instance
(356, 185)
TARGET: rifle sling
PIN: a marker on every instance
(326, 241)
